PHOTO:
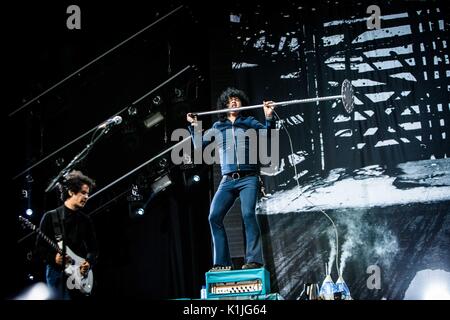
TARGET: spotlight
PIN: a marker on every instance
(59, 162)
(187, 159)
(157, 100)
(153, 120)
(162, 163)
(135, 203)
(132, 111)
(29, 212)
(38, 291)
(436, 291)
(156, 187)
(136, 209)
(178, 95)
(191, 179)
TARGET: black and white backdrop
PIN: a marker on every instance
(381, 172)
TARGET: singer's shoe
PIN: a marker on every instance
(252, 265)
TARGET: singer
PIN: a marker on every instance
(240, 177)
(69, 224)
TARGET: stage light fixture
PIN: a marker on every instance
(153, 120)
(178, 95)
(157, 100)
(160, 184)
(135, 194)
(135, 202)
(132, 111)
(162, 163)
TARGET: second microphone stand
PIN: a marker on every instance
(77, 158)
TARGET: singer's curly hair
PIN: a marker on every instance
(74, 181)
(228, 93)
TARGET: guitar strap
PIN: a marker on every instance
(58, 225)
(58, 228)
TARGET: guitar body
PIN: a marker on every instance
(75, 279)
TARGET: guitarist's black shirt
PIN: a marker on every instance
(79, 235)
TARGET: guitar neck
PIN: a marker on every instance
(49, 241)
(31, 226)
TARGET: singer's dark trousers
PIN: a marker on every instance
(229, 190)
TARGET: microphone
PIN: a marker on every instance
(111, 122)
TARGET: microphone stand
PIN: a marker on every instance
(77, 158)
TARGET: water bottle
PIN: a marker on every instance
(328, 289)
(203, 292)
(343, 289)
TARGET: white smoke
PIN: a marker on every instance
(332, 240)
(368, 241)
(346, 252)
(353, 237)
(386, 244)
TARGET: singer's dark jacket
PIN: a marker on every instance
(234, 148)
(79, 234)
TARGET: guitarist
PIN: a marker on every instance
(70, 224)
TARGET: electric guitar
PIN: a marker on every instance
(75, 280)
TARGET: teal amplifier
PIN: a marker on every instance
(237, 283)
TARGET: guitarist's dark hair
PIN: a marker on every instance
(74, 181)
